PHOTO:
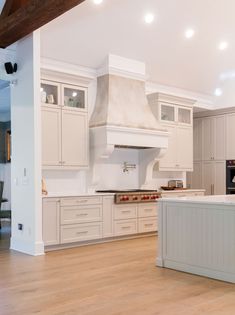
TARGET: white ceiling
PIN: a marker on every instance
(86, 34)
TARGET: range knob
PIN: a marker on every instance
(135, 198)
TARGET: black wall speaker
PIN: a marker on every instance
(10, 68)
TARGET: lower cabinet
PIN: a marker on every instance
(81, 232)
(51, 221)
(70, 220)
(135, 218)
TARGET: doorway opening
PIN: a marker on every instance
(5, 165)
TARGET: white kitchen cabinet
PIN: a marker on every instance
(68, 96)
(108, 216)
(64, 139)
(64, 126)
(179, 155)
(184, 148)
(230, 132)
(213, 178)
(74, 139)
(194, 179)
(51, 221)
(213, 138)
(51, 136)
(73, 97)
(197, 139)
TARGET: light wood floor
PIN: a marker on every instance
(106, 279)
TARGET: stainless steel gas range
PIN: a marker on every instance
(132, 196)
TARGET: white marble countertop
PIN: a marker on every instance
(74, 194)
(181, 191)
(218, 199)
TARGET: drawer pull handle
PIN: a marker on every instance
(126, 227)
(81, 214)
(82, 201)
(148, 210)
(83, 232)
(148, 224)
(126, 211)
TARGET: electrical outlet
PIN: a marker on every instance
(20, 226)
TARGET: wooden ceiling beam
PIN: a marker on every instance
(31, 15)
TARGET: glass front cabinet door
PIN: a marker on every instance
(74, 97)
(167, 113)
(185, 115)
(50, 93)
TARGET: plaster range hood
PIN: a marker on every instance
(122, 117)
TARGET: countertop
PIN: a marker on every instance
(176, 191)
(74, 194)
(218, 199)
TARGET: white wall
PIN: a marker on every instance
(65, 181)
(26, 149)
(111, 171)
(5, 175)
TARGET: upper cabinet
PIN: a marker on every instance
(176, 115)
(213, 135)
(67, 96)
(64, 126)
(230, 132)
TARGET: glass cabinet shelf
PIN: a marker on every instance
(49, 93)
(167, 113)
(184, 115)
(74, 97)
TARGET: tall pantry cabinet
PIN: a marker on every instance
(209, 155)
(64, 126)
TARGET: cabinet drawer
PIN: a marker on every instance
(80, 232)
(81, 201)
(79, 214)
(125, 212)
(147, 210)
(147, 225)
(125, 227)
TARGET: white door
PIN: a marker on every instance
(230, 134)
(74, 139)
(197, 139)
(219, 138)
(208, 177)
(219, 178)
(207, 139)
(51, 221)
(184, 151)
(169, 160)
(51, 136)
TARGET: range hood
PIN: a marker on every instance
(122, 116)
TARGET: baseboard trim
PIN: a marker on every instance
(26, 247)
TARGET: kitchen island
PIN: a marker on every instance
(197, 235)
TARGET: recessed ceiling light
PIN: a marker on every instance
(223, 45)
(218, 92)
(149, 18)
(97, 1)
(189, 33)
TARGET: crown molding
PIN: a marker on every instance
(51, 68)
(201, 101)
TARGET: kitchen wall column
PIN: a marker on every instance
(26, 149)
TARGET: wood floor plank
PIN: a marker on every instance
(118, 278)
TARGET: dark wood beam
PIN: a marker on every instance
(30, 16)
(6, 9)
